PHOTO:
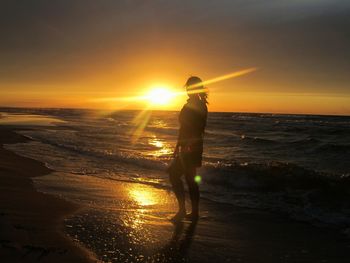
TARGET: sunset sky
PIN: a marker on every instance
(69, 53)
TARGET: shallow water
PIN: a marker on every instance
(27, 119)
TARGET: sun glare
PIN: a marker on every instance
(160, 96)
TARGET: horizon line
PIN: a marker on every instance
(244, 112)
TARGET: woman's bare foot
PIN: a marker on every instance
(192, 216)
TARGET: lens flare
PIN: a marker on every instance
(224, 77)
(198, 179)
(162, 95)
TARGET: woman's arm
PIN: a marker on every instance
(176, 151)
(180, 132)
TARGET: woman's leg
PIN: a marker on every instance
(178, 188)
(193, 190)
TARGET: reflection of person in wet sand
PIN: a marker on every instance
(189, 148)
(177, 248)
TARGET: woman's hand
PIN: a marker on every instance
(176, 151)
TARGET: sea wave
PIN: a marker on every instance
(331, 148)
(304, 194)
(111, 156)
(306, 141)
(258, 141)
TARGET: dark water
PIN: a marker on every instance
(294, 164)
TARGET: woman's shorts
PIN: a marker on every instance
(184, 161)
(191, 159)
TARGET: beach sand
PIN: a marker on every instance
(30, 222)
(128, 222)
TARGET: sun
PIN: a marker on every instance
(160, 96)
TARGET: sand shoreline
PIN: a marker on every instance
(30, 221)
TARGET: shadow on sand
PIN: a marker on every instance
(178, 246)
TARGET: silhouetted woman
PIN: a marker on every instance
(189, 148)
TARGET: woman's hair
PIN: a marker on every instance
(195, 87)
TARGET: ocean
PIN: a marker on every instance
(298, 165)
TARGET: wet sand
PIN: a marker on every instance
(31, 222)
(128, 222)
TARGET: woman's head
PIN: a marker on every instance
(195, 89)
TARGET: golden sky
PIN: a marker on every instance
(71, 54)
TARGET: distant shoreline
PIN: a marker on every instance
(228, 112)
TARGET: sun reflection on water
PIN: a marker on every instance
(142, 196)
(162, 148)
(158, 144)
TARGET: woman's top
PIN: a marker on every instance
(193, 119)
